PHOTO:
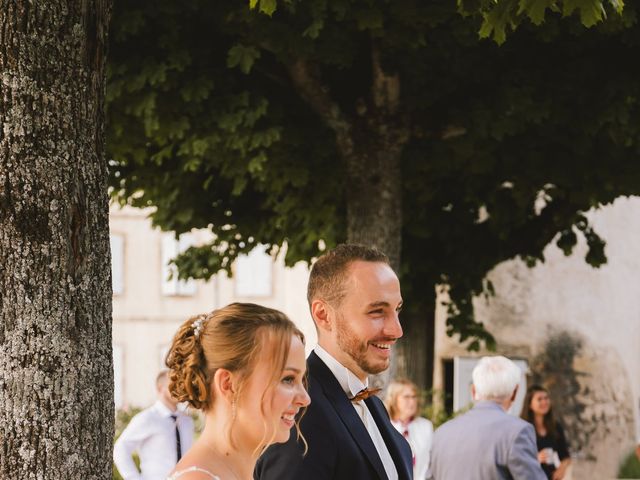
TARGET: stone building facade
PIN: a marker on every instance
(148, 307)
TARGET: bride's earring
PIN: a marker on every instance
(234, 408)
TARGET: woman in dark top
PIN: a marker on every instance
(550, 438)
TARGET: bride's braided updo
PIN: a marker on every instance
(231, 338)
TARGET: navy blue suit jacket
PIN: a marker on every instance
(340, 447)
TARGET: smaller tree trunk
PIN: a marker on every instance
(374, 204)
(415, 352)
(374, 199)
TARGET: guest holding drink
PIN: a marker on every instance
(553, 452)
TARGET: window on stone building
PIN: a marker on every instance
(117, 263)
(171, 247)
(253, 273)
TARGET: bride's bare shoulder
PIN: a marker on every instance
(193, 473)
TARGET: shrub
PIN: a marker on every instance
(434, 408)
(630, 467)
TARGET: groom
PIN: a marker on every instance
(354, 297)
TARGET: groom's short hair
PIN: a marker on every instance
(329, 272)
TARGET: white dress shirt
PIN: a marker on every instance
(420, 437)
(152, 434)
(351, 385)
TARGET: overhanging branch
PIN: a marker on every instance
(309, 86)
(385, 88)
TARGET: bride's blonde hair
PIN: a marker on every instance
(233, 338)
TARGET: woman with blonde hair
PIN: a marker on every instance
(402, 402)
(243, 366)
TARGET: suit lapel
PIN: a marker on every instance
(392, 439)
(346, 412)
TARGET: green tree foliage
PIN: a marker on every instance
(238, 117)
(630, 468)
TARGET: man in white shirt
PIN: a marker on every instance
(160, 435)
(355, 300)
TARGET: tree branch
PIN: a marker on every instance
(385, 89)
(309, 86)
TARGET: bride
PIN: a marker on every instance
(244, 366)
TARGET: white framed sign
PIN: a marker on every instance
(462, 380)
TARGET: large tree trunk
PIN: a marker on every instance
(56, 377)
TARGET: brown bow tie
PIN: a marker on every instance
(365, 393)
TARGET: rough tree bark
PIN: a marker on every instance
(374, 195)
(56, 377)
(371, 145)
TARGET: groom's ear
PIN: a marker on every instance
(320, 311)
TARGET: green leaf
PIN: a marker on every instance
(369, 19)
(266, 6)
(239, 185)
(497, 20)
(256, 165)
(618, 5)
(534, 9)
(242, 56)
(313, 30)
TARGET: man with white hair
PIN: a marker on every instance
(487, 443)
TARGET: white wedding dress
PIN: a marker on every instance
(179, 473)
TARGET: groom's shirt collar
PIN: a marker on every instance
(348, 380)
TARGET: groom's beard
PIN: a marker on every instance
(357, 349)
